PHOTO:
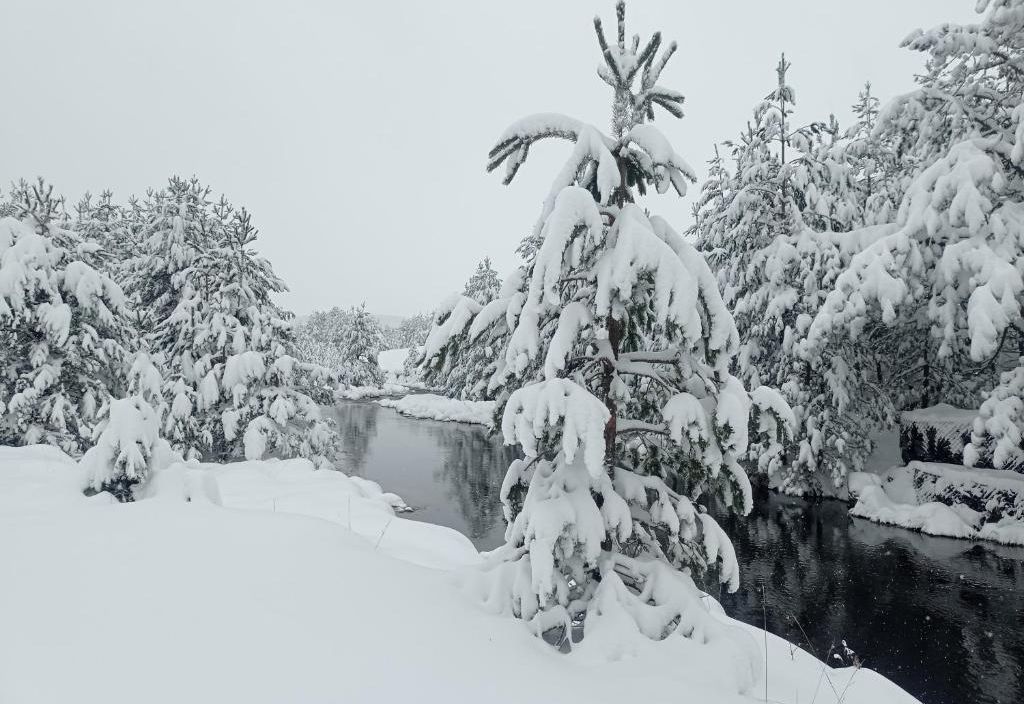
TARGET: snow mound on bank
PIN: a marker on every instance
(357, 393)
(232, 598)
(932, 518)
(894, 498)
(433, 407)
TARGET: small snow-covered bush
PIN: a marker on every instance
(124, 452)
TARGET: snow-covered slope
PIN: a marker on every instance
(393, 361)
(299, 588)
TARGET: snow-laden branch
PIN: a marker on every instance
(665, 167)
(460, 311)
(636, 249)
(563, 406)
(573, 318)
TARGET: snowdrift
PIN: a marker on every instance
(944, 500)
(433, 407)
(276, 583)
(357, 393)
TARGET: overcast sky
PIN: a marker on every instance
(357, 133)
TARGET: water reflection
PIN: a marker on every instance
(450, 472)
(942, 618)
(357, 424)
(472, 471)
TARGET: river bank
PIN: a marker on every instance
(826, 576)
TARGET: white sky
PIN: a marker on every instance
(357, 133)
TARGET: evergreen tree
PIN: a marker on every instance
(129, 443)
(319, 339)
(360, 344)
(64, 327)
(232, 383)
(872, 160)
(774, 229)
(617, 374)
(102, 221)
(947, 282)
(413, 331)
(483, 286)
(462, 355)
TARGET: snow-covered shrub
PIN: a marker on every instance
(123, 454)
(63, 325)
(616, 379)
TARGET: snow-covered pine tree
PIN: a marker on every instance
(413, 331)
(319, 338)
(463, 355)
(128, 442)
(710, 209)
(233, 385)
(484, 285)
(948, 281)
(361, 342)
(773, 230)
(101, 220)
(64, 327)
(618, 367)
(871, 158)
(826, 189)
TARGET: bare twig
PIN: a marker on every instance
(381, 537)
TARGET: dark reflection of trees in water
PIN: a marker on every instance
(357, 426)
(473, 468)
(940, 617)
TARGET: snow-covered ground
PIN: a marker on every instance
(435, 407)
(895, 498)
(277, 583)
(393, 361)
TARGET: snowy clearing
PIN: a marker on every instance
(393, 361)
(304, 586)
(900, 497)
(433, 407)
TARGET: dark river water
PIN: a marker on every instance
(942, 618)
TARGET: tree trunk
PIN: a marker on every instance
(614, 340)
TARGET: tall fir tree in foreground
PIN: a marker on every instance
(617, 373)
